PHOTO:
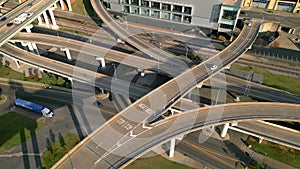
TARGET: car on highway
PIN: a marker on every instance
(3, 18)
(213, 67)
(9, 24)
(29, 14)
(29, 5)
(98, 104)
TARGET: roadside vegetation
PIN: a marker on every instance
(155, 162)
(287, 83)
(58, 149)
(83, 7)
(7, 72)
(277, 152)
(16, 129)
(254, 165)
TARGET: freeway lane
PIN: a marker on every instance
(74, 72)
(39, 6)
(95, 50)
(148, 49)
(86, 155)
(130, 123)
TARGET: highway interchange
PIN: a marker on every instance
(126, 125)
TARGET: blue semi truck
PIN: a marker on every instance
(34, 107)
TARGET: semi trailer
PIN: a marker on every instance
(34, 107)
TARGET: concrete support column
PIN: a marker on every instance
(54, 5)
(40, 20)
(199, 85)
(67, 51)
(69, 5)
(62, 4)
(225, 129)
(102, 61)
(172, 148)
(227, 67)
(28, 30)
(46, 19)
(53, 18)
(17, 63)
(260, 140)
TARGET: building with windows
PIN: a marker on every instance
(181, 15)
(280, 5)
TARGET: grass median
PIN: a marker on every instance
(287, 83)
(155, 162)
(277, 152)
(16, 129)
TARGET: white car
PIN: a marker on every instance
(213, 67)
(29, 14)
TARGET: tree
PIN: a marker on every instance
(53, 79)
(60, 81)
(46, 78)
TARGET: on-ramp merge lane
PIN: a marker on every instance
(130, 123)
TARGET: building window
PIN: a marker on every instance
(134, 10)
(177, 8)
(145, 3)
(224, 26)
(155, 5)
(155, 14)
(126, 9)
(166, 15)
(176, 17)
(187, 19)
(166, 7)
(144, 12)
(125, 1)
(134, 2)
(187, 10)
(230, 15)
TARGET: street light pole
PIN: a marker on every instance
(115, 71)
(187, 51)
(126, 22)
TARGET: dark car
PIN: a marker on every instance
(29, 5)
(98, 104)
(9, 24)
(3, 18)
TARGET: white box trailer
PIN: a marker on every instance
(20, 18)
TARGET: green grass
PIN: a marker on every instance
(16, 129)
(75, 31)
(287, 83)
(155, 162)
(278, 60)
(83, 7)
(286, 155)
(7, 72)
(58, 149)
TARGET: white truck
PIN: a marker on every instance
(20, 18)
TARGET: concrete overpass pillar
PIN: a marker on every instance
(40, 20)
(172, 148)
(53, 18)
(46, 19)
(28, 30)
(227, 67)
(67, 51)
(102, 61)
(25, 44)
(17, 63)
(61, 3)
(225, 129)
(69, 5)
(260, 140)
(199, 85)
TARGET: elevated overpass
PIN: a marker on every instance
(72, 72)
(87, 153)
(131, 122)
(97, 51)
(123, 34)
(38, 7)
